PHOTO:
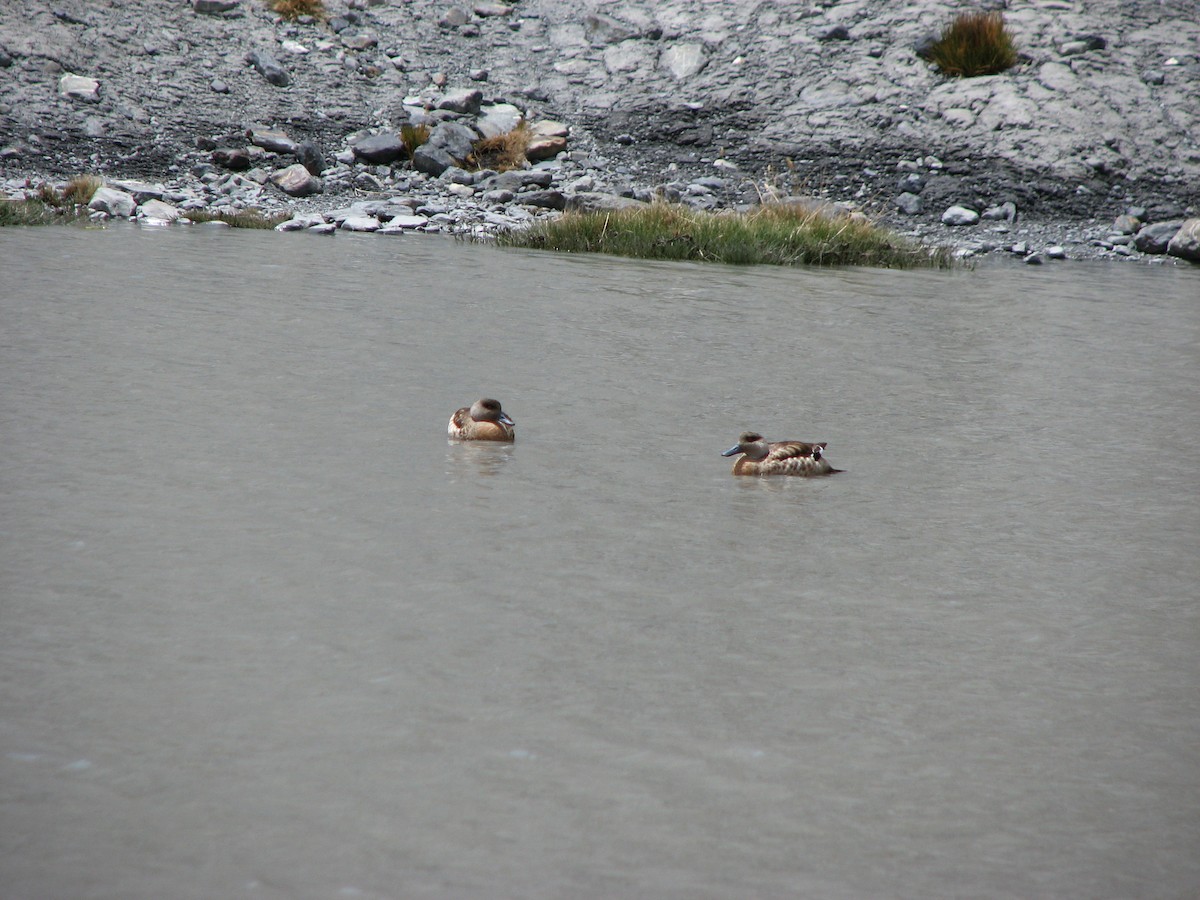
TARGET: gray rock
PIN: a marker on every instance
(214, 7)
(1034, 259)
(454, 18)
(113, 202)
(832, 33)
(1154, 77)
(380, 149)
(157, 209)
(449, 144)
(489, 10)
(408, 222)
(301, 222)
(549, 199)
(141, 191)
(1186, 242)
(517, 179)
(297, 181)
(362, 40)
(1156, 238)
(217, 86)
(1126, 224)
(271, 139)
(1020, 248)
(236, 159)
(464, 100)
(909, 204)
(959, 215)
(79, 87)
(6, 59)
(547, 139)
(593, 201)
(323, 228)
(359, 223)
(601, 29)
(268, 67)
(911, 183)
(683, 60)
(1006, 212)
(497, 119)
(309, 155)
(1056, 252)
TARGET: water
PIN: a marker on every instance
(264, 633)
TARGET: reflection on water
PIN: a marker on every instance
(266, 632)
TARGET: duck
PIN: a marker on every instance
(760, 457)
(483, 420)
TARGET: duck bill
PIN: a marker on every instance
(733, 451)
(505, 420)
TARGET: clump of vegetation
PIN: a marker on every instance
(50, 205)
(501, 152)
(247, 218)
(294, 9)
(973, 44)
(774, 234)
(413, 136)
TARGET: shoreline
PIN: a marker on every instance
(652, 102)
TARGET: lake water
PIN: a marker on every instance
(265, 633)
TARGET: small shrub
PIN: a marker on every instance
(294, 9)
(974, 44)
(81, 188)
(413, 136)
(502, 152)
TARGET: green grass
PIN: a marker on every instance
(50, 205)
(974, 44)
(774, 234)
(249, 218)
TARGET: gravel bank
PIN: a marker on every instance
(713, 103)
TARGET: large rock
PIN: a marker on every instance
(593, 201)
(683, 60)
(271, 139)
(1157, 237)
(381, 149)
(449, 144)
(79, 87)
(1186, 242)
(497, 119)
(114, 202)
(268, 67)
(464, 100)
(547, 139)
(959, 215)
(297, 181)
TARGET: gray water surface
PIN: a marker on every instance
(265, 633)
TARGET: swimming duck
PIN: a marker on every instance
(483, 420)
(778, 457)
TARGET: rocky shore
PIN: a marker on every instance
(1089, 148)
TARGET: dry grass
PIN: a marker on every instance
(774, 234)
(502, 152)
(51, 206)
(294, 9)
(974, 44)
(413, 136)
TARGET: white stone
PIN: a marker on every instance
(959, 215)
(113, 202)
(359, 223)
(683, 60)
(79, 87)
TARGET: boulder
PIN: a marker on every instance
(297, 181)
(959, 215)
(1157, 237)
(79, 87)
(380, 149)
(113, 202)
(268, 67)
(449, 144)
(1186, 242)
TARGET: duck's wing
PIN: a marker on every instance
(780, 450)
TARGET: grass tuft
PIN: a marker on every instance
(49, 205)
(775, 234)
(294, 9)
(974, 44)
(413, 136)
(501, 152)
(247, 218)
